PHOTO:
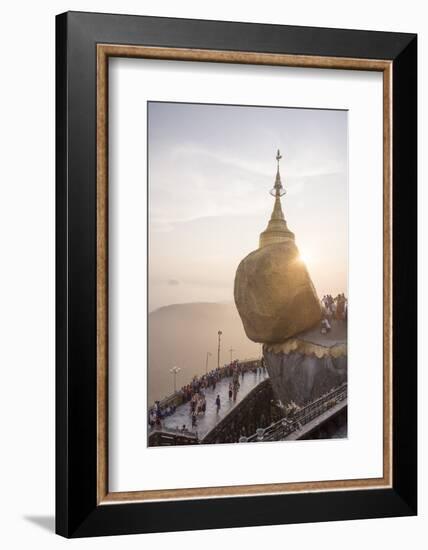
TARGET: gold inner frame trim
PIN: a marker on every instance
(104, 51)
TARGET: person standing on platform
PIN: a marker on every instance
(218, 403)
(194, 421)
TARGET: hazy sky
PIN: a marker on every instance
(210, 171)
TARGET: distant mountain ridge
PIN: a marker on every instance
(182, 334)
(189, 306)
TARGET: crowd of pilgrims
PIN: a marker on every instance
(194, 392)
(333, 308)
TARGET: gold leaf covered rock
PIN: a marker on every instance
(274, 294)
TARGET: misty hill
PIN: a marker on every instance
(182, 334)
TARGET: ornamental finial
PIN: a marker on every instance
(278, 190)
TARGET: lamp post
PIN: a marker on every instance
(231, 352)
(206, 362)
(218, 350)
(175, 371)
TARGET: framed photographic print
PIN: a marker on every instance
(236, 274)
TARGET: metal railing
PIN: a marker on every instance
(170, 437)
(173, 431)
(296, 420)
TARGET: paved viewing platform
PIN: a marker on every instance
(207, 421)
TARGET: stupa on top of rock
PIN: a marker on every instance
(277, 230)
(273, 291)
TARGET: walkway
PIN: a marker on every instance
(316, 422)
(208, 420)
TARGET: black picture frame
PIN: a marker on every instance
(77, 512)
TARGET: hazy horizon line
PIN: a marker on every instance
(226, 302)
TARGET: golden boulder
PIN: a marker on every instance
(274, 293)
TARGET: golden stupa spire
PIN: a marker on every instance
(277, 230)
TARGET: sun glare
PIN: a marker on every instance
(305, 257)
